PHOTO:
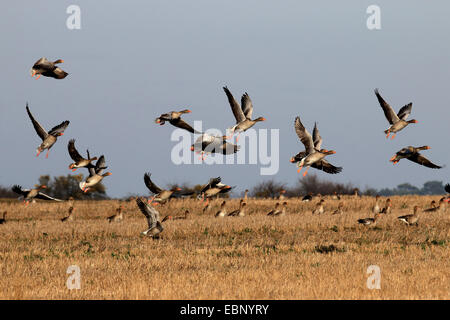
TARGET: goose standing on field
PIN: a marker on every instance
(3, 220)
(437, 208)
(174, 118)
(180, 217)
(239, 212)
(282, 212)
(48, 138)
(48, 69)
(376, 208)
(153, 219)
(322, 164)
(340, 209)
(274, 211)
(413, 155)
(70, 216)
(222, 212)
(29, 194)
(387, 207)
(447, 189)
(308, 197)
(116, 217)
(369, 221)
(319, 207)
(242, 113)
(411, 218)
(313, 155)
(80, 162)
(397, 121)
(95, 174)
(246, 195)
(160, 195)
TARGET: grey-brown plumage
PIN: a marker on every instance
(413, 154)
(48, 138)
(174, 118)
(161, 195)
(29, 195)
(411, 218)
(397, 121)
(48, 69)
(153, 219)
(79, 161)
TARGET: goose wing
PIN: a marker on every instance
(237, 111)
(447, 187)
(149, 212)
(37, 126)
(211, 184)
(180, 123)
(43, 196)
(388, 111)
(405, 111)
(100, 165)
(420, 159)
(247, 106)
(150, 185)
(18, 189)
(317, 138)
(73, 152)
(327, 167)
(304, 136)
(43, 63)
(59, 128)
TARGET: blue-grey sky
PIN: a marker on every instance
(133, 60)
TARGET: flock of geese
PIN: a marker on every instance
(312, 156)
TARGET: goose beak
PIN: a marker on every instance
(188, 111)
(427, 147)
(157, 120)
(393, 157)
(192, 148)
(61, 134)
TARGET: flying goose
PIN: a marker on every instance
(116, 217)
(411, 218)
(313, 155)
(222, 212)
(242, 113)
(319, 207)
(174, 118)
(29, 194)
(80, 162)
(154, 223)
(160, 195)
(207, 143)
(239, 212)
(48, 138)
(368, 221)
(397, 121)
(214, 187)
(48, 69)
(70, 216)
(95, 174)
(413, 155)
(3, 220)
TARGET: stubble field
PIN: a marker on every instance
(298, 256)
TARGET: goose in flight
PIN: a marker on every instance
(397, 121)
(414, 155)
(153, 219)
(410, 219)
(29, 195)
(174, 118)
(48, 69)
(95, 174)
(213, 188)
(242, 113)
(48, 138)
(161, 195)
(323, 164)
(207, 143)
(313, 154)
(80, 162)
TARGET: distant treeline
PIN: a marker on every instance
(63, 187)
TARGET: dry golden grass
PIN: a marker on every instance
(252, 257)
